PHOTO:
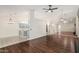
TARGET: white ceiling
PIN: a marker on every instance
(36, 7)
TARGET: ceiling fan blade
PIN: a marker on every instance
(54, 8)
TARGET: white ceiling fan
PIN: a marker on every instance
(50, 9)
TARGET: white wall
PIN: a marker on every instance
(37, 26)
(18, 15)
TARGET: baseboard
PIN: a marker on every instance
(32, 38)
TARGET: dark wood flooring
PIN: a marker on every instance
(65, 43)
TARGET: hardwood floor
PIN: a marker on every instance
(47, 44)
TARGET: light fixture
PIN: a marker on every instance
(50, 9)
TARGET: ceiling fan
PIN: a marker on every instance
(50, 9)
